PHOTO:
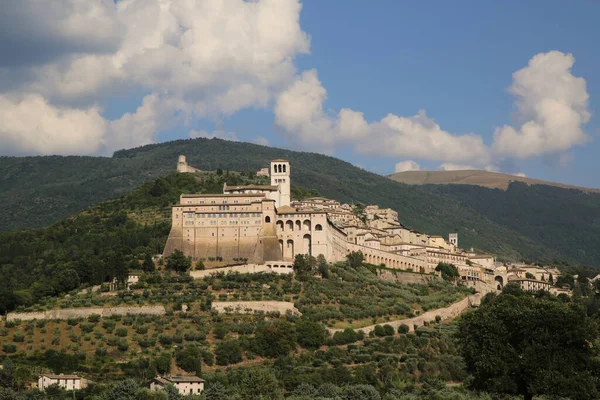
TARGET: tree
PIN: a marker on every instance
(163, 363)
(200, 265)
(521, 345)
(449, 271)
(529, 275)
(148, 265)
(304, 264)
(188, 359)
(178, 261)
(355, 259)
(228, 353)
(277, 339)
(123, 390)
(323, 266)
(260, 383)
(311, 335)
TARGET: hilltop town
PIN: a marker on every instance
(261, 224)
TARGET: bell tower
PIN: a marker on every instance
(280, 176)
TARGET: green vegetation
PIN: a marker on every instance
(531, 346)
(100, 243)
(38, 191)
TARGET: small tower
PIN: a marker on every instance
(280, 176)
(181, 164)
(453, 238)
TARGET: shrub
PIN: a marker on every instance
(9, 348)
(121, 332)
(228, 353)
(188, 359)
(18, 337)
(122, 345)
(403, 329)
(86, 327)
(141, 329)
(94, 318)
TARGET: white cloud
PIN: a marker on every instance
(551, 108)
(464, 167)
(200, 58)
(299, 112)
(263, 141)
(521, 174)
(455, 167)
(30, 124)
(407, 165)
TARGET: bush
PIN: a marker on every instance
(18, 337)
(9, 348)
(94, 318)
(403, 329)
(188, 359)
(121, 332)
(228, 353)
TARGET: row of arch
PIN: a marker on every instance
(291, 226)
(392, 263)
(278, 168)
(289, 248)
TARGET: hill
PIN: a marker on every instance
(41, 190)
(474, 177)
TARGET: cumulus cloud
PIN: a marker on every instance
(30, 124)
(551, 105)
(300, 114)
(190, 60)
(263, 141)
(407, 165)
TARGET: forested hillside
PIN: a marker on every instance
(566, 220)
(40, 190)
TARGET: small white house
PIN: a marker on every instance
(67, 382)
(186, 385)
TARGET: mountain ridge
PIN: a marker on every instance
(43, 190)
(477, 178)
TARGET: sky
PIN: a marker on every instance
(386, 85)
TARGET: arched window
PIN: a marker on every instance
(280, 225)
(279, 168)
(275, 168)
(318, 227)
(267, 219)
(283, 167)
(298, 225)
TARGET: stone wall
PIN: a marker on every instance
(242, 269)
(450, 312)
(405, 277)
(86, 312)
(249, 307)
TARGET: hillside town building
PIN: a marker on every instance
(185, 385)
(260, 223)
(66, 382)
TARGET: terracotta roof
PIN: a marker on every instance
(180, 379)
(253, 187)
(224, 195)
(54, 376)
(285, 210)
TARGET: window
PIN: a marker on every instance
(267, 219)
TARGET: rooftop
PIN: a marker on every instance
(60, 376)
(203, 195)
(250, 187)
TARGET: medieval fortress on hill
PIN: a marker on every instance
(260, 224)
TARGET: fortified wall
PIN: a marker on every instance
(86, 312)
(447, 313)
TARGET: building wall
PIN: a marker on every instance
(276, 267)
(249, 307)
(227, 226)
(85, 312)
(45, 382)
(280, 176)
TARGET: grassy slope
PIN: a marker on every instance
(39, 190)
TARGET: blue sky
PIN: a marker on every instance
(455, 60)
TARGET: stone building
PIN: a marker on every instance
(261, 224)
(66, 382)
(183, 166)
(186, 385)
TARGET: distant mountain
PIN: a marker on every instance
(37, 191)
(474, 177)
